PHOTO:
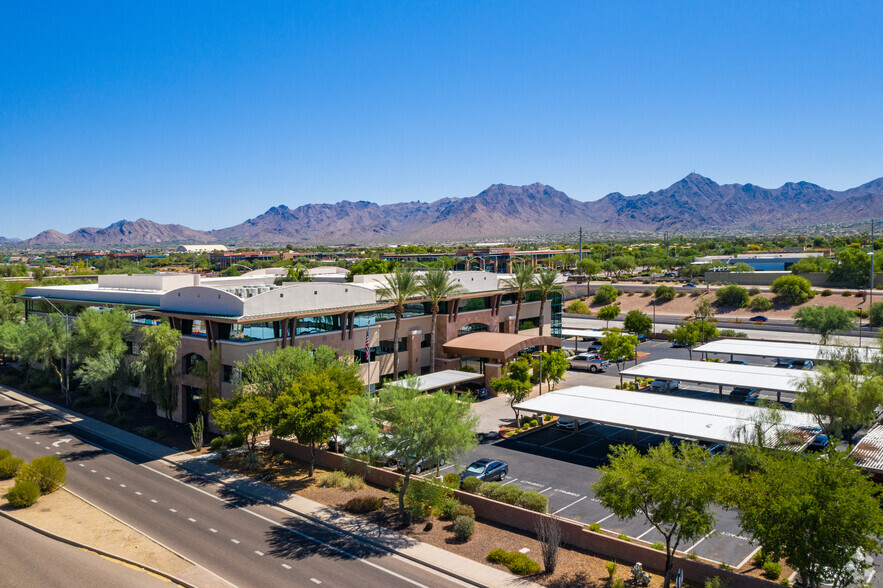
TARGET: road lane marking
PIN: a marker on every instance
(286, 566)
(509, 482)
(571, 504)
(153, 501)
(192, 520)
(212, 530)
(236, 541)
(645, 532)
(122, 485)
(107, 477)
(82, 465)
(314, 580)
(93, 471)
(138, 493)
(546, 490)
(172, 510)
(605, 518)
(692, 547)
(261, 553)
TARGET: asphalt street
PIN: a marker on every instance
(245, 543)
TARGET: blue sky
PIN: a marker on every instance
(208, 113)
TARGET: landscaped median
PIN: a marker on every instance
(525, 521)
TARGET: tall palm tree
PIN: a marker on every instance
(437, 285)
(546, 284)
(398, 288)
(522, 280)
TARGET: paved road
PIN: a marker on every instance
(26, 554)
(246, 544)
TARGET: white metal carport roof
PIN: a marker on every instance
(568, 333)
(868, 453)
(438, 380)
(704, 420)
(784, 350)
(720, 374)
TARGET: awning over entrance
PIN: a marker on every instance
(500, 347)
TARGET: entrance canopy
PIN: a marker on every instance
(804, 351)
(439, 380)
(720, 374)
(689, 418)
(499, 347)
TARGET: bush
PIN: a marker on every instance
(470, 484)
(876, 314)
(9, 467)
(784, 582)
(618, 583)
(733, 295)
(605, 295)
(464, 528)
(331, 479)
(715, 582)
(510, 494)
(753, 291)
(451, 480)
(48, 472)
(234, 440)
(533, 500)
(4, 453)
(658, 546)
(446, 512)
(695, 294)
(624, 537)
(487, 489)
(577, 307)
(792, 289)
(846, 293)
(611, 569)
(826, 292)
(759, 303)
(595, 527)
(352, 484)
(498, 556)
(759, 559)
(772, 570)
(534, 423)
(647, 292)
(23, 494)
(665, 293)
(518, 563)
(430, 493)
(148, 432)
(463, 510)
(363, 504)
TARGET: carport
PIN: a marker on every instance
(443, 380)
(776, 380)
(581, 334)
(804, 351)
(674, 416)
(868, 453)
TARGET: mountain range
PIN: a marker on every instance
(695, 203)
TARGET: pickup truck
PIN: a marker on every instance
(589, 361)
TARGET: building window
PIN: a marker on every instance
(228, 373)
(426, 341)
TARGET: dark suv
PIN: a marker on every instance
(486, 470)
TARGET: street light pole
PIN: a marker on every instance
(67, 359)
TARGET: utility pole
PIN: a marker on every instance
(581, 242)
(871, 290)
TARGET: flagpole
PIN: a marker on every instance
(368, 356)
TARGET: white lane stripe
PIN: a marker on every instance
(286, 566)
(57, 453)
(138, 493)
(546, 490)
(509, 482)
(314, 580)
(93, 471)
(212, 530)
(172, 510)
(236, 541)
(261, 553)
(605, 518)
(82, 465)
(692, 547)
(122, 485)
(153, 501)
(569, 505)
(641, 536)
(192, 520)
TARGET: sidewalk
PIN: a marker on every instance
(430, 556)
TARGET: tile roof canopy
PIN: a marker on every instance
(704, 420)
(497, 346)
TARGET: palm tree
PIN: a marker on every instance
(546, 284)
(522, 280)
(437, 285)
(398, 288)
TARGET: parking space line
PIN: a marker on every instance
(509, 482)
(689, 549)
(546, 490)
(644, 533)
(750, 555)
(571, 504)
(605, 518)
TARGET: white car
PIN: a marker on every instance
(664, 385)
(569, 422)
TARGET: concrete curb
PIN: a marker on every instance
(111, 556)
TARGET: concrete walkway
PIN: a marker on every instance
(430, 556)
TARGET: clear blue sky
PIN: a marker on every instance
(208, 113)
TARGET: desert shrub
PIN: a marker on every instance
(4, 453)
(611, 569)
(681, 294)
(753, 291)
(595, 527)
(464, 528)
(463, 510)
(9, 467)
(577, 307)
(695, 294)
(733, 295)
(772, 570)
(732, 333)
(23, 494)
(234, 440)
(533, 500)
(647, 292)
(692, 555)
(618, 583)
(518, 563)
(363, 504)
(252, 460)
(451, 480)
(498, 556)
(148, 432)
(715, 582)
(658, 546)
(624, 537)
(534, 423)
(605, 295)
(759, 303)
(431, 494)
(665, 293)
(352, 484)
(792, 289)
(725, 566)
(48, 472)
(827, 292)
(471, 484)
(759, 558)
(876, 314)
(846, 293)
(331, 479)
(784, 582)
(446, 512)
(487, 489)
(508, 494)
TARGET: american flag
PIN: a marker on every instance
(368, 345)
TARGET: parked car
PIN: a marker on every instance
(738, 362)
(589, 361)
(758, 319)
(716, 448)
(819, 443)
(486, 470)
(641, 337)
(690, 285)
(595, 345)
(664, 385)
(569, 422)
(671, 275)
(477, 389)
(427, 463)
(743, 394)
(795, 364)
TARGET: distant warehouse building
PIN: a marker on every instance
(759, 262)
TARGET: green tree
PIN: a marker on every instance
(840, 399)
(516, 383)
(522, 280)
(157, 366)
(853, 268)
(10, 311)
(295, 273)
(811, 265)
(398, 288)
(546, 285)
(792, 289)
(608, 313)
(554, 366)
(824, 320)
(674, 490)
(732, 295)
(40, 343)
(605, 295)
(105, 373)
(823, 510)
(272, 373)
(665, 293)
(411, 426)
(437, 285)
(618, 347)
(209, 371)
(370, 266)
(685, 335)
(247, 415)
(311, 409)
(876, 314)
(638, 323)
